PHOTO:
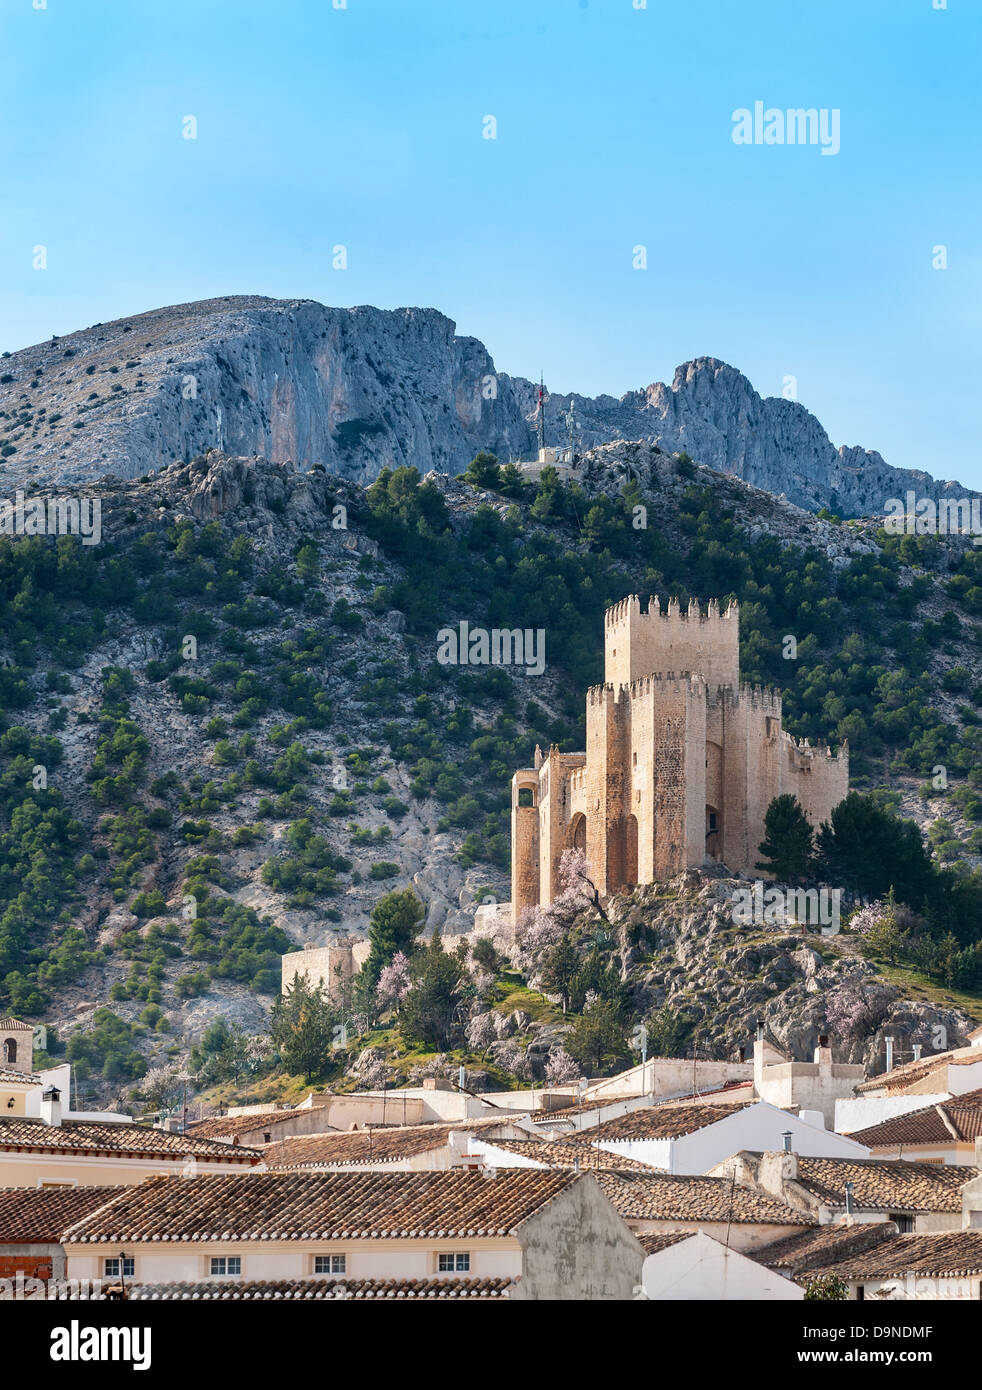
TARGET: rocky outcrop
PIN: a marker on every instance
(684, 954)
(712, 412)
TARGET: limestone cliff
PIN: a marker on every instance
(361, 389)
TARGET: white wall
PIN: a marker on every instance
(379, 1259)
(859, 1112)
(758, 1128)
(702, 1270)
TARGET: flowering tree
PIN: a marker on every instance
(560, 1068)
(856, 1010)
(481, 1032)
(394, 982)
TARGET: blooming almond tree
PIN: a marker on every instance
(394, 982)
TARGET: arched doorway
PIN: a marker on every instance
(576, 833)
(9, 1050)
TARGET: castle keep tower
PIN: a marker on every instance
(681, 762)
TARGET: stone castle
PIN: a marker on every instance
(681, 762)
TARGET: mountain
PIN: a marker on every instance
(357, 390)
(226, 731)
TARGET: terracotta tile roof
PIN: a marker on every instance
(957, 1119)
(665, 1121)
(25, 1078)
(822, 1245)
(936, 1255)
(301, 1290)
(656, 1196)
(228, 1126)
(903, 1077)
(653, 1241)
(365, 1146)
(38, 1215)
(14, 1025)
(566, 1152)
(886, 1184)
(570, 1112)
(104, 1137)
(324, 1206)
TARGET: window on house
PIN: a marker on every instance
(455, 1263)
(905, 1224)
(330, 1264)
(226, 1264)
(126, 1267)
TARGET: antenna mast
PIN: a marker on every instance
(542, 412)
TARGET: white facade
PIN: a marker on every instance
(701, 1270)
(759, 1128)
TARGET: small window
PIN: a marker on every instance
(330, 1264)
(525, 796)
(454, 1264)
(125, 1267)
(712, 821)
(9, 1050)
(225, 1265)
(905, 1224)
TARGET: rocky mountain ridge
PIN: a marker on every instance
(360, 389)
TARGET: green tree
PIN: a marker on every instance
(303, 1027)
(827, 1288)
(597, 1039)
(428, 1013)
(560, 970)
(483, 471)
(788, 843)
(868, 850)
(393, 926)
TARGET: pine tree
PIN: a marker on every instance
(788, 844)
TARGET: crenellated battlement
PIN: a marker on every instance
(640, 642)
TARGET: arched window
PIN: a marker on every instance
(9, 1050)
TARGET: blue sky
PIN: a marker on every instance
(363, 127)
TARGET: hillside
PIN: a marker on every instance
(360, 389)
(227, 731)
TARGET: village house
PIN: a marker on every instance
(680, 766)
(693, 1138)
(950, 1073)
(943, 1265)
(696, 1268)
(405, 1149)
(949, 1131)
(658, 1204)
(917, 1197)
(52, 1151)
(31, 1222)
(554, 1232)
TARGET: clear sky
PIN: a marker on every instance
(364, 127)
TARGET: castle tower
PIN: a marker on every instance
(639, 643)
(681, 762)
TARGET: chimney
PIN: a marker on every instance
(823, 1053)
(51, 1107)
(776, 1169)
(918, 1048)
(889, 1043)
(787, 1136)
(849, 1202)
